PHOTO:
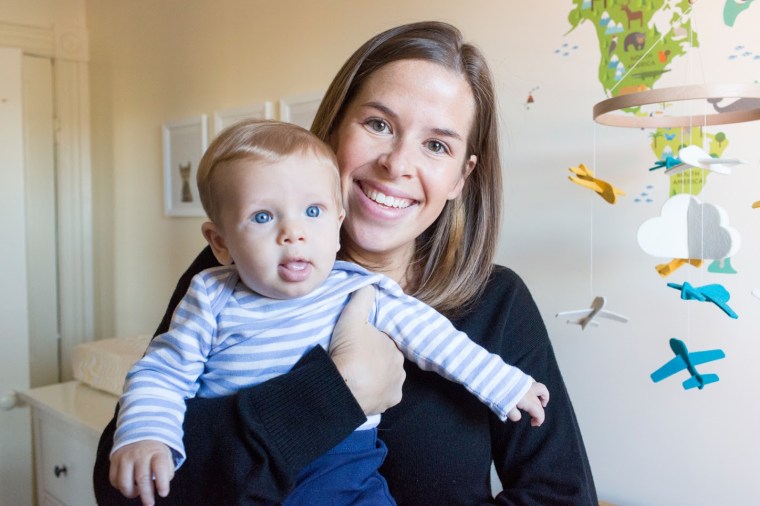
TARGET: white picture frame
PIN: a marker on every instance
(184, 143)
(301, 108)
(227, 117)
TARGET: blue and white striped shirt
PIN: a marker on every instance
(224, 337)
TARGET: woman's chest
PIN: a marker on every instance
(439, 443)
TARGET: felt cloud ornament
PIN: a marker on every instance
(688, 228)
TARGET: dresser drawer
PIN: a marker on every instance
(68, 420)
(66, 460)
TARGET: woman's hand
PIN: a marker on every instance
(368, 360)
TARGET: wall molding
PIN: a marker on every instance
(32, 40)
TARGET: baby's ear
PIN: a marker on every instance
(216, 241)
(341, 217)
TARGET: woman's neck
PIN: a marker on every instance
(394, 264)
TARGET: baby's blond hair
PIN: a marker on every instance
(258, 141)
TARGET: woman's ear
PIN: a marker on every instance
(471, 163)
(216, 241)
(468, 168)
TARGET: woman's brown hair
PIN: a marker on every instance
(453, 257)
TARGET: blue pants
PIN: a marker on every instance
(347, 475)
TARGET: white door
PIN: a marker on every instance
(15, 435)
(41, 249)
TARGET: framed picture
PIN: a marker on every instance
(184, 144)
(227, 117)
(300, 109)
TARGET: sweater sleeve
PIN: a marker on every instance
(547, 464)
(248, 448)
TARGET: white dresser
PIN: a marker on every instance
(68, 419)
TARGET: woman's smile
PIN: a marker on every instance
(385, 200)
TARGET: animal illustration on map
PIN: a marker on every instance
(633, 15)
(635, 39)
(732, 9)
(739, 104)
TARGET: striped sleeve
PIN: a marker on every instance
(152, 406)
(428, 338)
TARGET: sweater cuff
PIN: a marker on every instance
(307, 411)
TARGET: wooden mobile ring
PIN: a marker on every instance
(744, 110)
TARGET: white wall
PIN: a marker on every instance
(649, 444)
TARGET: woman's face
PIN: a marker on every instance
(402, 153)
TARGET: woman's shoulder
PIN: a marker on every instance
(502, 272)
(504, 283)
(504, 316)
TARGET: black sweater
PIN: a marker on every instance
(247, 448)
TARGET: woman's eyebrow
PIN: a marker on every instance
(443, 132)
(382, 108)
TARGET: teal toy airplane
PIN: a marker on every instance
(707, 293)
(688, 360)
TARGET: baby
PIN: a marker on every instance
(272, 194)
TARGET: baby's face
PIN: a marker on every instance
(280, 222)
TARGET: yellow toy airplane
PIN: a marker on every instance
(586, 179)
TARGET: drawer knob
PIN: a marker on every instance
(59, 470)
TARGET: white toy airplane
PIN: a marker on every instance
(694, 156)
(588, 316)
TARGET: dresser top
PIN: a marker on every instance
(74, 401)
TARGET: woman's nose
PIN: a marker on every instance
(398, 161)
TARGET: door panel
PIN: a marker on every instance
(15, 436)
(39, 170)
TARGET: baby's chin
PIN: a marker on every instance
(290, 289)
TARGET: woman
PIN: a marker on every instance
(411, 118)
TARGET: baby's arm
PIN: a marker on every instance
(152, 408)
(430, 340)
(136, 466)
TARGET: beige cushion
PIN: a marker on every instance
(104, 364)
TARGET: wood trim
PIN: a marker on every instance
(74, 195)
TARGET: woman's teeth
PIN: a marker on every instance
(387, 200)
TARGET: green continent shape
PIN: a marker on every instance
(628, 63)
(668, 141)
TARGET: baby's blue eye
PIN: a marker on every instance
(262, 217)
(313, 211)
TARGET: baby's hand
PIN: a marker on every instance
(533, 402)
(134, 467)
